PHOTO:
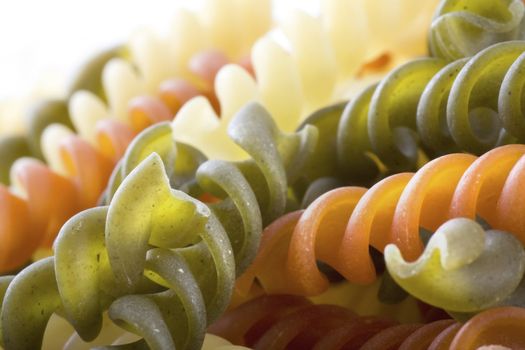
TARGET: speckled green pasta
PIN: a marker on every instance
(462, 28)
(361, 141)
(463, 267)
(161, 262)
(251, 129)
(423, 109)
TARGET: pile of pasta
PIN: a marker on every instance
(225, 189)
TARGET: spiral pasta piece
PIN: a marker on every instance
(51, 197)
(147, 261)
(496, 326)
(454, 258)
(109, 77)
(88, 163)
(302, 324)
(421, 110)
(351, 219)
(289, 84)
(108, 81)
(61, 335)
(463, 28)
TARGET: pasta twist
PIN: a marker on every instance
(118, 74)
(339, 227)
(293, 81)
(146, 257)
(298, 323)
(108, 85)
(421, 110)
(80, 165)
(465, 27)
(47, 199)
(61, 335)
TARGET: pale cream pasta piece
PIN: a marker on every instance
(51, 140)
(86, 110)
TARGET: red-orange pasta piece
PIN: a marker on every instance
(245, 324)
(425, 200)
(206, 65)
(444, 339)
(88, 169)
(423, 337)
(318, 235)
(339, 227)
(51, 199)
(352, 335)
(482, 184)
(511, 205)
(18, 237)
(113, 138)
(176, 92)
(373, 214)
(498, 326)
(391, 338)
(146, 110)
(302, 328)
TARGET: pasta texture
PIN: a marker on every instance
(204, 183)
(146, 257)
(123, 90)
(79, 164)
(284, 322)
(463, 28)
(339, 227)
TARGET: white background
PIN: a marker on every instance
(43, 41)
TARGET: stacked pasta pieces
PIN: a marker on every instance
(248, 214)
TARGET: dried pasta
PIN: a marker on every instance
(173, 270)
(339, 226)
(284, 321)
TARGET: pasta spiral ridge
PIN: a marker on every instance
(292, 80)
(301, 324)
(108, 81)
(462, 28)
(146, 256)
(339, 227)
(79, 165)
(46, 199)
(423, 109)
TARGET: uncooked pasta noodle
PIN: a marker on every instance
(339, 227)
(161, 219)
(289, 83)
(108, 82)
(179, 294)
(81, 164)
(463, 28)
(421, 110)
(284, 321)
(109, 78)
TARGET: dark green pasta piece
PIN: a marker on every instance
(11, 148)
(381, 121)
(42, 115)
(89, 76)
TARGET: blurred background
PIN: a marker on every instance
(43, 42)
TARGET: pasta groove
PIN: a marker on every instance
(146, 256)
(421, 110)
(339, 227)
(302, 324)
